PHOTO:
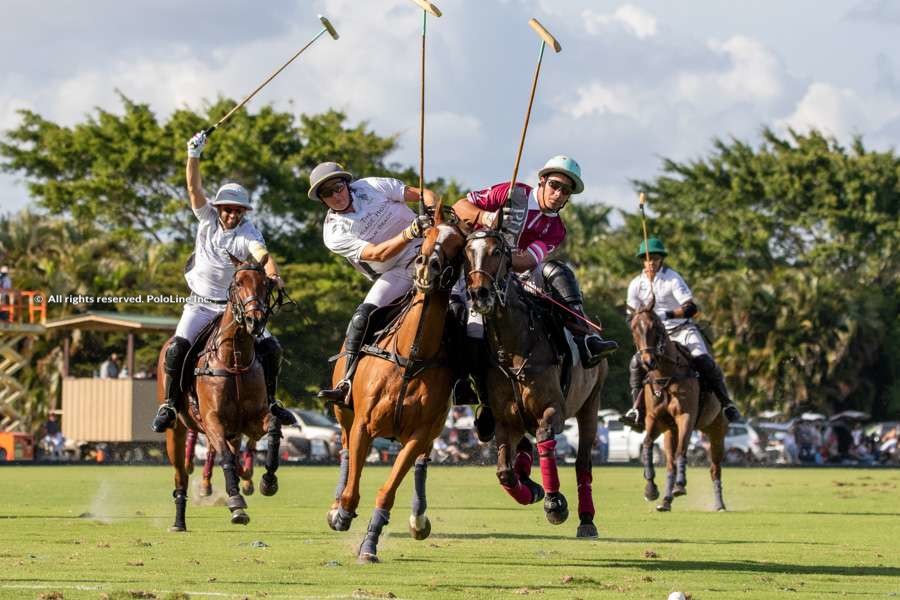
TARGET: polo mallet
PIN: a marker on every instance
(641, 198)
(326, 27)
(427, 7)
(546, 38)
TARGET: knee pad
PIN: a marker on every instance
(635, 372)
(560, 281)
(175, 354)
(360, 318)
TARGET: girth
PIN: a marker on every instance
(413, 367)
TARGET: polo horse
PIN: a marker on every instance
(401, 390)
(244, 465)
(227, 399)
(675, 404)
(524, 383)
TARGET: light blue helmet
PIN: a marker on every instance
(566, 166)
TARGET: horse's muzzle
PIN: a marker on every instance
(482, 299)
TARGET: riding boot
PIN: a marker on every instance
(356, 332)
(477, 355)
(175, 355)
(560, 282)
(634, 418)
(269, 352)
(712, 376)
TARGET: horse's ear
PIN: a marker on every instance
(264, 260)
(234, 260)
(439, 212)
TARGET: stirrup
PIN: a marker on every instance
(632, 418)
(165, 418)
(283, 415)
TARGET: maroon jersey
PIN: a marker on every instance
(541, 233)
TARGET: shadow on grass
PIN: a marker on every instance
(601, 539)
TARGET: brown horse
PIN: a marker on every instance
(524, 384)
(401, 390)
(673, 405)
(228, 399)
(244, 465)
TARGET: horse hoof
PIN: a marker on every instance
(679, 490)
(556, 508)
(721, 509)
(177, 528)
(336, 522)
(366, 558)
(666, 506)
(651, 492)
(587, 531)
(247, 487)
(206, 488)
(239, 517)
(419, 527)
(268, 486)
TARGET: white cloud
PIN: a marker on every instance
(636, 21)
(842, 112)
(597, 98)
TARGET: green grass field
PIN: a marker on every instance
(95, 532)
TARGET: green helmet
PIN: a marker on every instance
(653, 246)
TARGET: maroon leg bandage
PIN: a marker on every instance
(523, 463)
(585, 498)
(549, 472)
(520, 493)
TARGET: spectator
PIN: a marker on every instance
(109, 369)
(53, 439)
(6, 296)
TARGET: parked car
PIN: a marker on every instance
(322, 433)
(743, 445)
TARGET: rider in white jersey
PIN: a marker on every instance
(223, 231)
(369, 224)
(675, 306)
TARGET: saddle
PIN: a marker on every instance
(187, 380)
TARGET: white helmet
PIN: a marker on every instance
(566, 166)
(232, 194)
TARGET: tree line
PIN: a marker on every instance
(790, 246)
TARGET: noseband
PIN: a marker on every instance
(499, 285)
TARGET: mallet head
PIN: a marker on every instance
(328, 26)
(545, 35)
(428, 7)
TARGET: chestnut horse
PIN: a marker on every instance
(673, 405)
(229, 396)
(524, 387)
(401, 390)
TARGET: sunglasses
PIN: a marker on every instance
(558, 186)
(232, 211)
(335, 189)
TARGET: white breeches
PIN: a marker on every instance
(390, 286)
(690, 337)
(196, 316)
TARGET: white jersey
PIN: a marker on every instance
(379, 213)
(671, 292)
(212, 271)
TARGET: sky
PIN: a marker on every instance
(636, 81)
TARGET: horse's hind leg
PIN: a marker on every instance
(268, 483)
(189, 447)
(522, 467)
(716, 455)
(235, 503)
(587, 433)
(513, 475)
(206, 488)
(419, 524)
(683, 438)
(175, 439)
(245, 468)
(384, 501)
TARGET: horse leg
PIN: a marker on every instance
(360, 442)
(175, 439)
(507, 473)
(651, 492)
(683, 423)
(384, 500)
(419, 524)
(522, 467)
(245, 469)
(343, 470)
(716, 455)
(669, 441)
(189, 448)
(555, 505)
(587, 433)
(268, 483)
(235, 503)
(206, 483)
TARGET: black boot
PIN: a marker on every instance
(712, 375)
(634, 418)
(560, 282)
(269, 352)
(477, 363)
(175, 355)
(356, 332)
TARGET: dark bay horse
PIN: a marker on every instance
(524, 384)
(228, 399)
(244, 465)
(672, 398)
(401, 390)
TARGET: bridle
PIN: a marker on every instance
(241, 306)
(498, 284)
(449, 274)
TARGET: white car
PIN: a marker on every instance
(324, 435)
(624, 443)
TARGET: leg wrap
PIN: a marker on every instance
(274, 445)
(514, 487)
(681, 470)
(208, 465)
(230, 469)
(380, 518)
(524, 458)
(180, 497)
(343, 472)
(670, 485)
(419, 504)
(647, 459)
(549, 472)
(585, 497)
(190, 445)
